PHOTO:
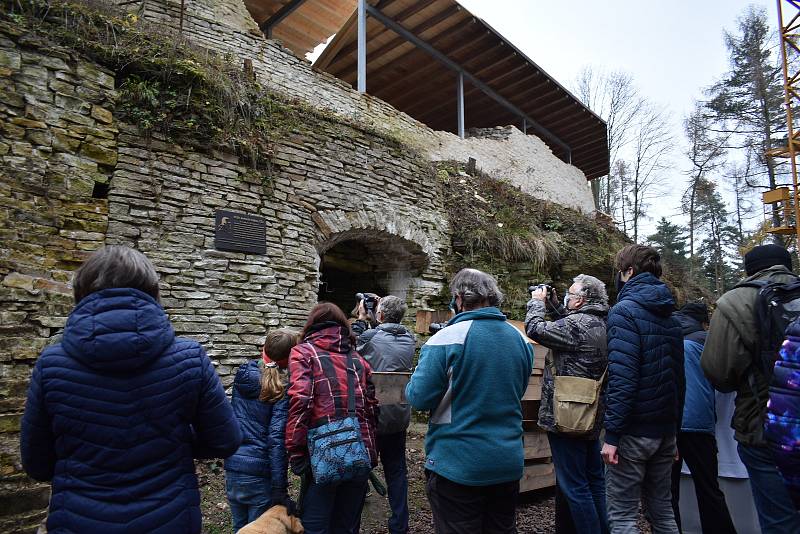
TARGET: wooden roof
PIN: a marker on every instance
(310, 24)
(413, 81)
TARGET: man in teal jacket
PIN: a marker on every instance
(472, 376)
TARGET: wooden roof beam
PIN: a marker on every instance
(345, 53)
(441, 99)
(279, 15)
(431, 67)
(405, 97)
(491, 81)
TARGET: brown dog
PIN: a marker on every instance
(276, 520)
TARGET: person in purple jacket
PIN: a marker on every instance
(782, 427)
(118, 410)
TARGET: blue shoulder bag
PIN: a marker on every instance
(336, 449)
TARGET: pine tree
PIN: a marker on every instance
(748, 102)
(713, 216)
(670, 241)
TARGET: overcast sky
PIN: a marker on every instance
(672, 49)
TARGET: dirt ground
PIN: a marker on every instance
(535, 514)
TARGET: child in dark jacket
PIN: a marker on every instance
(256, 476)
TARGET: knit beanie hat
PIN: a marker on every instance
(765, 256)
(697, 311)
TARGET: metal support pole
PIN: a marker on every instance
(393, 25)
(362, 46)
(525, 126)
(460, 99)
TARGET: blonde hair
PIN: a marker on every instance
(277, 346)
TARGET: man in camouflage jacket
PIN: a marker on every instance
(578, 348)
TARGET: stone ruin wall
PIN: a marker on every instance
(524, 160)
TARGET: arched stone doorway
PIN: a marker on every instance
(370, 261)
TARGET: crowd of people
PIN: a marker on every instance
(119, 408)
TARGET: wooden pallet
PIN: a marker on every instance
(537, 476)
(539, 471)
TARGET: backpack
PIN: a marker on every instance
(782, 424)
(776, 306)
(336, 449)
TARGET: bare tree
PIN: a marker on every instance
(620, 174)
(652, 143)
(736, 175)
(614, 97)
(706, 155)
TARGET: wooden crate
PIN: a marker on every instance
(537, 476)
(426, 317)
(534, 391)
(537, 447)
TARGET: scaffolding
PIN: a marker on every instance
(782, 203)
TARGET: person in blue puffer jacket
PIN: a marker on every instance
(256, 476)
(646, 385)
(696, 441)
(119, 408)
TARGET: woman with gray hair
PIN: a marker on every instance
(117, 411)
(472, 376)
(578, 348)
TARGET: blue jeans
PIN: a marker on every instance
(392, 451)
(581, 479)
(333, 508)
(776, 511)
(248, 497)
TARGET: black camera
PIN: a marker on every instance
(550, 290)
(370, 301)
(551, 300)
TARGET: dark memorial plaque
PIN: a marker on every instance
(240, 232)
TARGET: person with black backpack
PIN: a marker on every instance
(743, 341)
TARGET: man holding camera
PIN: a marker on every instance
(389, 347)
(578, 349)
(472, 376)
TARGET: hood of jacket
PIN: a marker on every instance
(393, 329)
(329, 336)
(248, 380)
(489, 312)
(689, 325)
(117, 330)
(650, 293)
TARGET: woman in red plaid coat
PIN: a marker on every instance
(317, 394)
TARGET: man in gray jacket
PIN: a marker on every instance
(390, 348)
(578, 348)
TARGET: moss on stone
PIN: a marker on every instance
(521, 239)
(196, 98)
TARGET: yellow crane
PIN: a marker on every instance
(782, 200)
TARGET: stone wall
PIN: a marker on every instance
(326, 186)
(57, 147)
(524, 160)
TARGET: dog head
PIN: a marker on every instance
(276, 520)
